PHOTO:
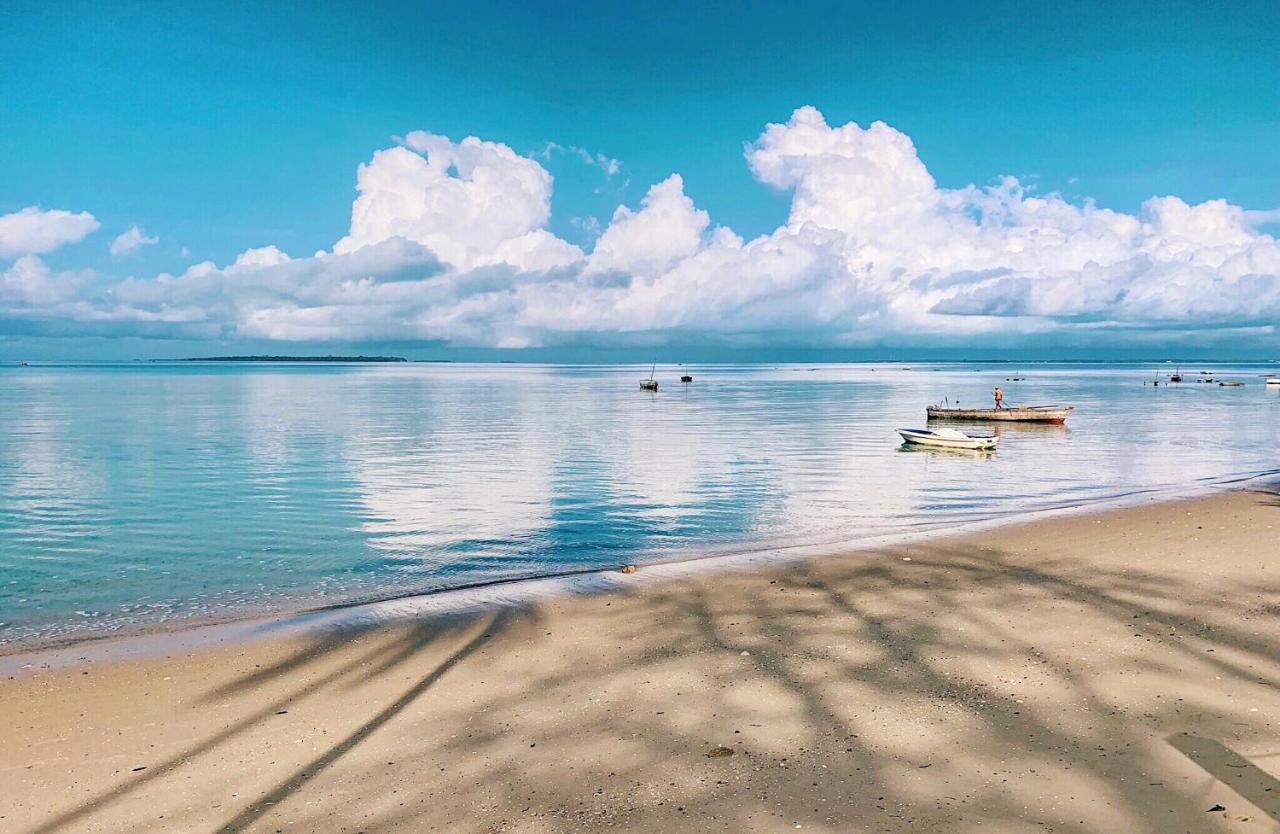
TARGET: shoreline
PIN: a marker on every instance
(151, 639)
(1107, 670)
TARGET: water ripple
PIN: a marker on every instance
(142, 493)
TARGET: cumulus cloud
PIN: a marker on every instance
(30, 284)
(473, 203)
(130, 241)
(667, 227)
(263, 256)
(33, 231)
(931, 256)
(448, 241)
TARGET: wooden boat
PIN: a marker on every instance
(1014, 414)
(948, 439)
(649, 384)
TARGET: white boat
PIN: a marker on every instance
(948, 439)
(1273, 380)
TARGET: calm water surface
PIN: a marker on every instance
(138, 494)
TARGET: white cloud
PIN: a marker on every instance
(666, 228)
(609, 166)
(130, 241)
(449, 241)
(589, 225)
(33, 231)
(932, 256)
(1260, 218)
(30, 283)
(473, 203)
(263, 256)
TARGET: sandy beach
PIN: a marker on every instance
(1112, 671)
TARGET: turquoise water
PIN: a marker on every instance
(139, 494)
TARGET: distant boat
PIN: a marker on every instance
(948, 439)
(1273, 380)
(1176, 376)
(649, 384)
(1230, 384)
(1016, 414)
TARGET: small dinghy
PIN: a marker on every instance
(1230, 384)
(948, 439)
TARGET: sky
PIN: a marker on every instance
(557, 182)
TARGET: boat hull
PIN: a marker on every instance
(1038, 414)
(916, 438)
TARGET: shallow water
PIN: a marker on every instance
(137, 494)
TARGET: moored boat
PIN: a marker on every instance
(948, 439)
(649, 384)
(1014, 414)
(1273, 380)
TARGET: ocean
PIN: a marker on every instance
(136, 496)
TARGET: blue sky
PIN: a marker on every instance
(221, 130)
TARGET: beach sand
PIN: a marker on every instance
(1113, 671)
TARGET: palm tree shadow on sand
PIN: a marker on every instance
(876, 693)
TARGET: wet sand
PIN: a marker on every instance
(1114, 671)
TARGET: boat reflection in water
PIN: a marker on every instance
(938, 451)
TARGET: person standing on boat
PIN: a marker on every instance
(999, 395)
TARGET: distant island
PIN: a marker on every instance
(294, 359)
